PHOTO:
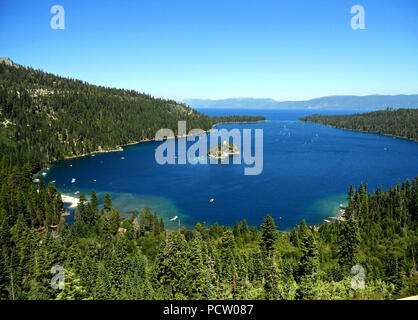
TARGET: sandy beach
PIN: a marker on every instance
(73, 201)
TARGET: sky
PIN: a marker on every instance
(285, 50)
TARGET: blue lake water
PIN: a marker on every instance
(307, 171)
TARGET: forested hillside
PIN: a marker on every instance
(401, 123)
(105, 258)
(44, 117)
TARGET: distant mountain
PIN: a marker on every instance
(239, 103)
(372, 102)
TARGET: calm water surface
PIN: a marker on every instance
(307, 172)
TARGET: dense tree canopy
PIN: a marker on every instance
(401, 123)
(46, 117)
(106, 258)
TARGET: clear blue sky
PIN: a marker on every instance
(286, 50)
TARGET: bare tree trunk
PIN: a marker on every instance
(12, 287)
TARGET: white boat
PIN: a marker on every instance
(73, 180)
(53, 181)
(36, 180)
(327, 221)
(77, 192)
(174, 218)
(211, 200)
(44, 173)
(123, 158)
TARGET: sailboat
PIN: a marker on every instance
(174, 218)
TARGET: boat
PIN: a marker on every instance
(36, 180)
(327, 221)
(53, 181)
(211, 200)
(123, 158)
(77, 192)
(44, 173)
(73, 180)
(174, 218)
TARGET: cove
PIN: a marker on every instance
(307, 171)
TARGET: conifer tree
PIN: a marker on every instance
(309, 262)
(227, 256)
(236, 231)
(349, 238)
(107, 204)
(195, 271)
(162, 228)
(171, 263)
(94, 201)
(268, 235)
(271, 279)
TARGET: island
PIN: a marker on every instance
(223, 150)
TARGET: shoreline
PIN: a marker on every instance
(73, 201)
(119, 148)
(338, 217)
(370, 132)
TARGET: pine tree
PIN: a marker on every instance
(195, 271)
(108, 205)
(162, 228)
(118, 264)
(244, 230)
(94, 201)
(268, 235)
(227, 256)
(171, 264)
(271, 280)
(236, 231)
(349, 238)
(155, 224)
(309, 262)
(103, 286)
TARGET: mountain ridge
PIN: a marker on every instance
(369, 102)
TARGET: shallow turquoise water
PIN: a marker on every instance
(307, 171)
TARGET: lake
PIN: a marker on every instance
(307, 172)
